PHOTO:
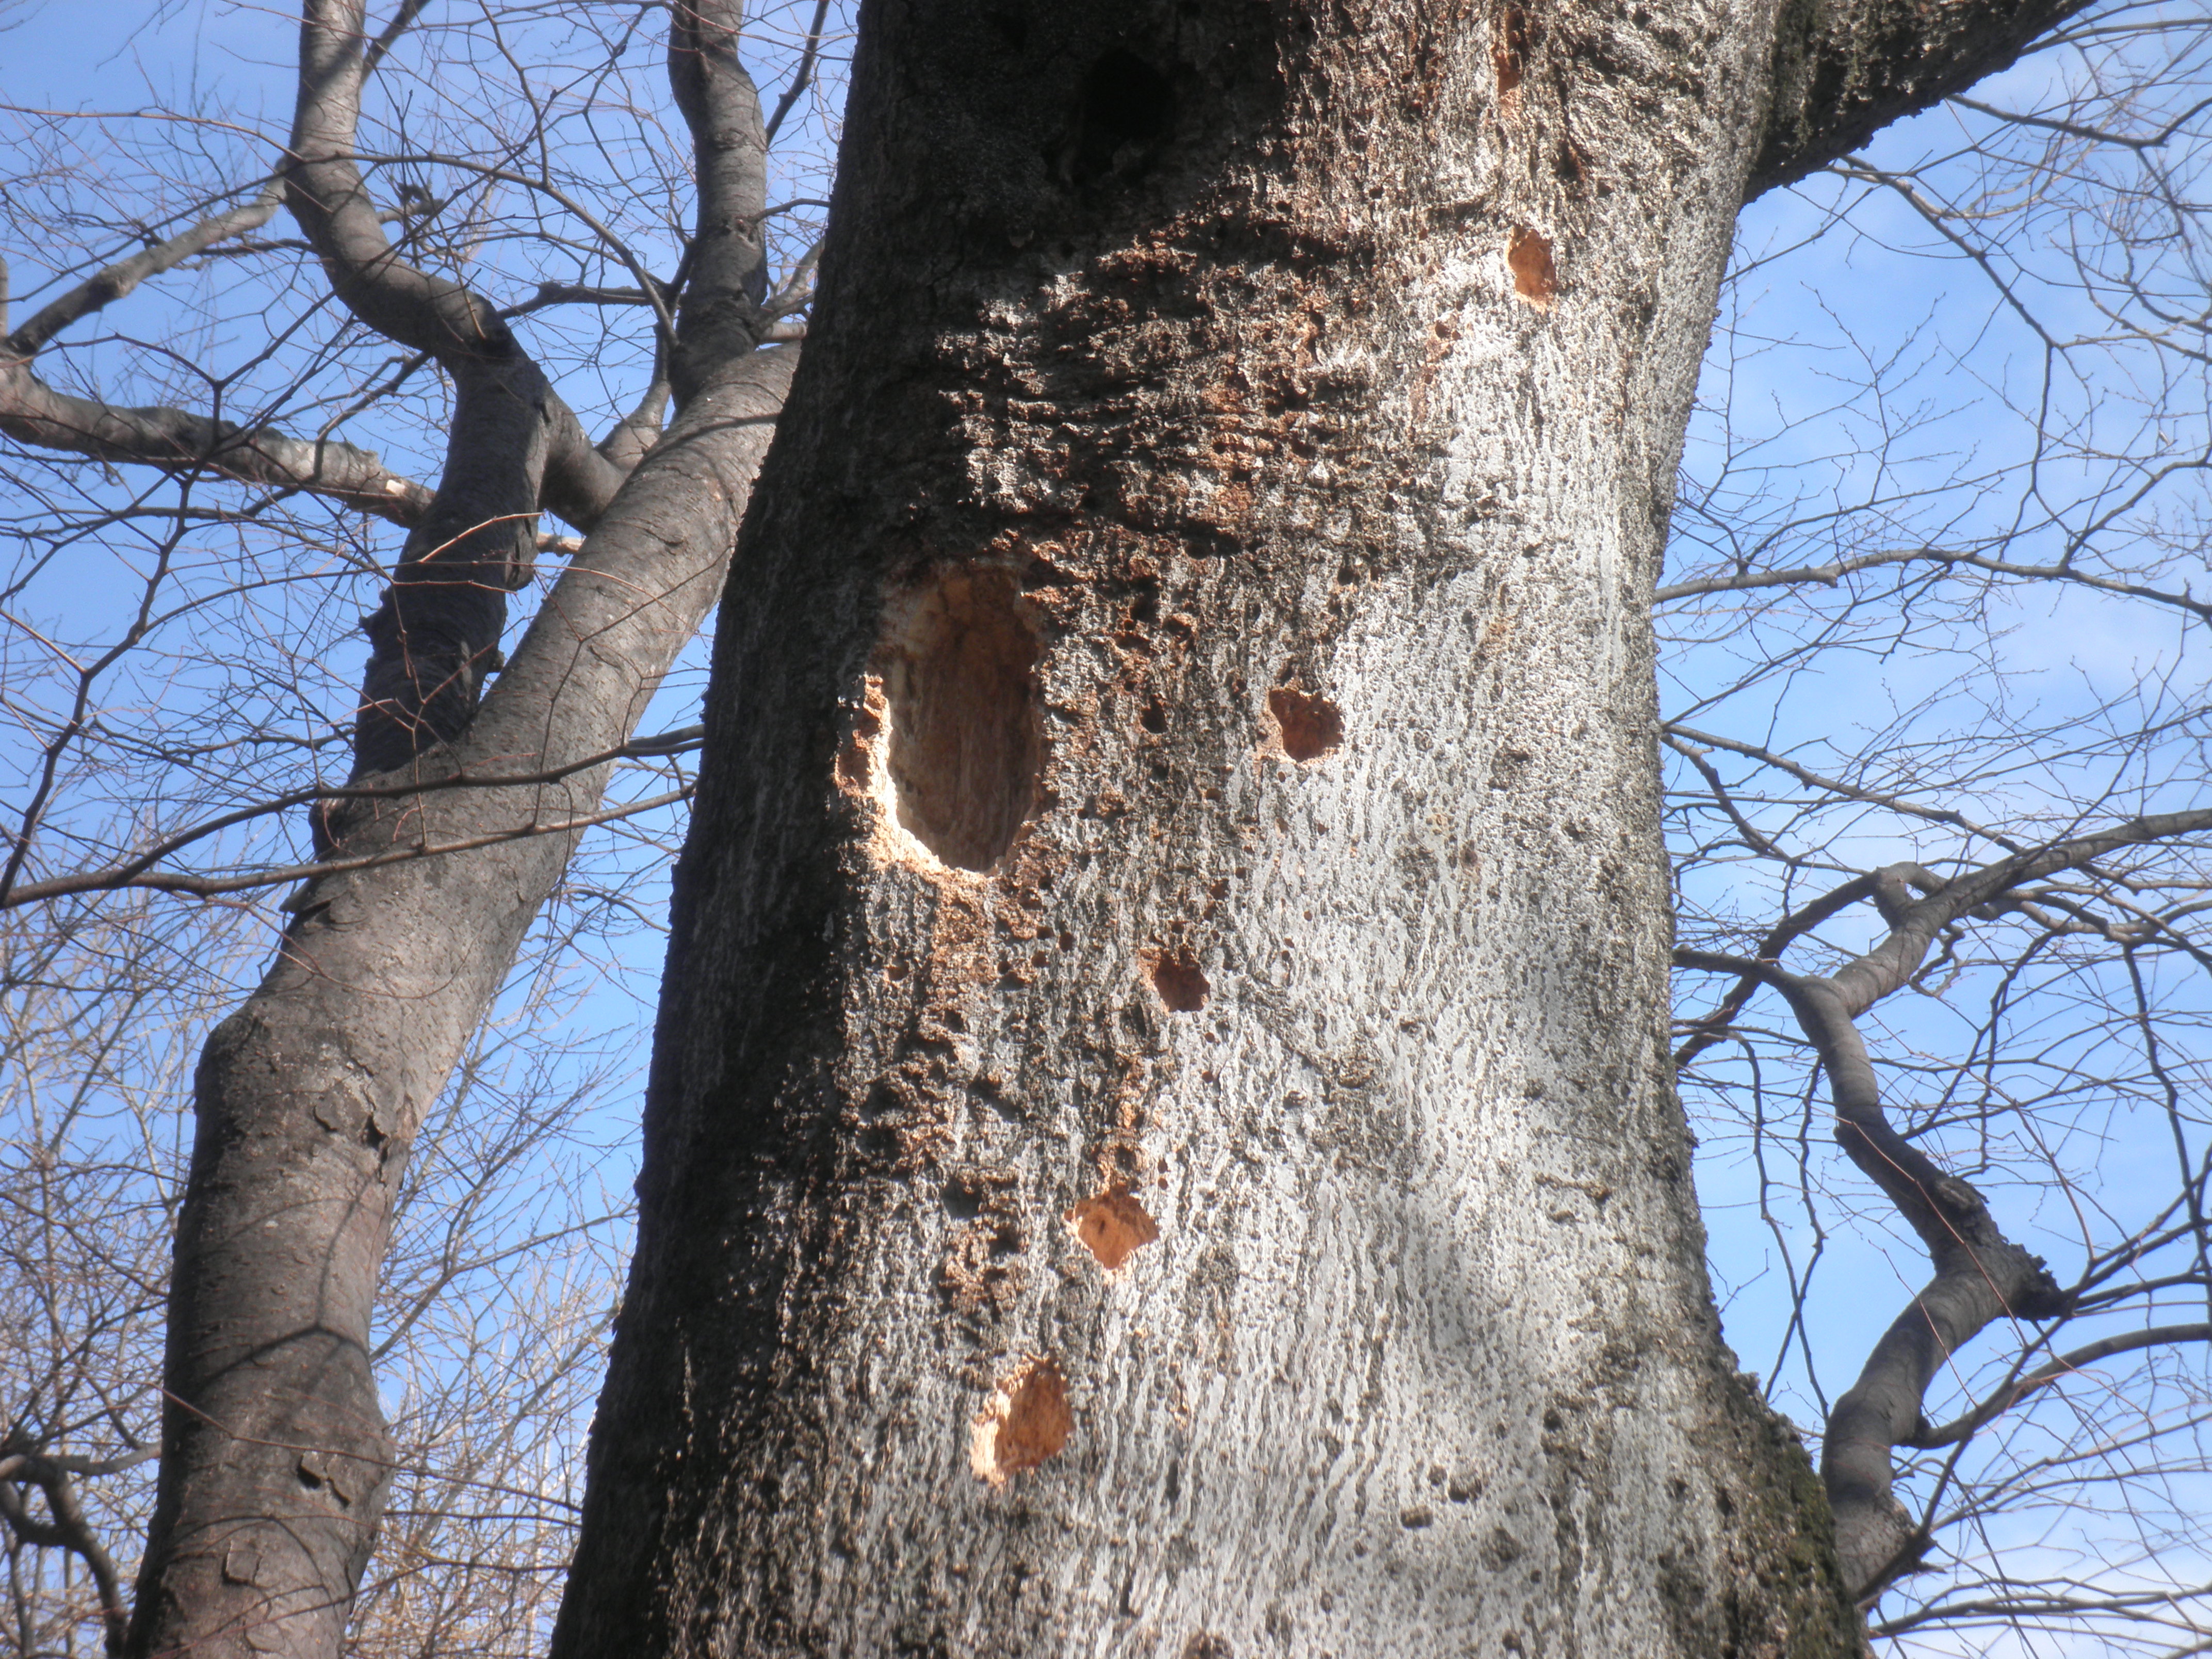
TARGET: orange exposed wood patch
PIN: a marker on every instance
(1177, 977)
(1536, 279)
(1509, 49)
(1025, 1423)
(1113, 1226)
(947, 744)
(1306, 727)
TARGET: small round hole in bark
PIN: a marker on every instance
(1025, 1423)
(1536, 279)
(1178, 978)
(964, 750)
(1307, 727)
(1113, 1226)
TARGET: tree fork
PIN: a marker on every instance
(275, 1460)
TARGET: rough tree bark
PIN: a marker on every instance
(274, 1459)
(1161, 1140)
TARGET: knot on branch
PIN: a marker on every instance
(1957, 1197)
(428, 654)
(2022, 1281)
(2039, 1294)
(1892, 890)
(1962, 1213)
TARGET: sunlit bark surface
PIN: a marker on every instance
(1161, 1141)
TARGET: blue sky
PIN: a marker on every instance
(1871, 385)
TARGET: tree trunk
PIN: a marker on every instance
(274, 1457)
(1161, 1139)
(275, 1460)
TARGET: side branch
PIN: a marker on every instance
(69, 1529)
(1845, 69)
(1981, 1275)
(180, 443)
(2154, 1336)
(120, 279)
(192, 887)
(1832, 575)
(326, 194)
(139, 871)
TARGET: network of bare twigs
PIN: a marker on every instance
(1932, 607)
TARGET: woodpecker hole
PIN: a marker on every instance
(963, 751)
(1307, 727)
(1113, 1226)
(1178, 978)
(1509, 49)
(1124, 113)
(1536, 279)
(1126, 99)
(1025, 1423)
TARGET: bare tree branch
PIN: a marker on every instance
(1828, 575)
(403, 953)
(69, 1529)
(186, 445)
(2067, 1364)
(120, 279)
(1845, 69)
(1981, 1275)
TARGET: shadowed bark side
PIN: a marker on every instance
(435, 636)
(1843, 70)
(1981, 1275)
(274, 1459)
(720, 312)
